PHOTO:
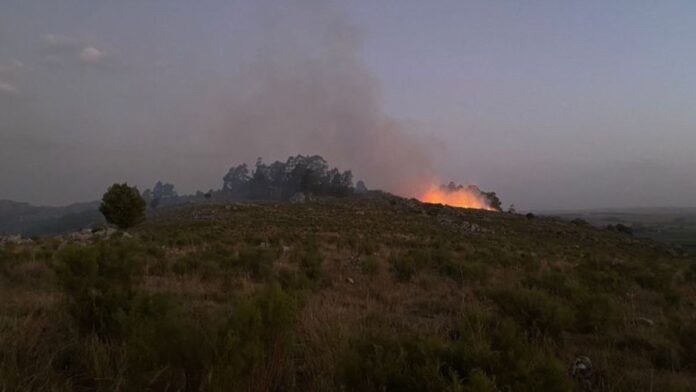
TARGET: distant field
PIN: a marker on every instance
(675, 226)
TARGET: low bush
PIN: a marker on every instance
(256, 260)
(369, 265)
(487, 353)
(537, 312)
(380, 361)
(403, 267)
(99, 284)
(311, 262)
(255, 345)
(165, 347)
(464, 271)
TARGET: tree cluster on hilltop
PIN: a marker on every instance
(282, 180)
(161, 192)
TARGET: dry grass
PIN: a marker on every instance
(195, 257)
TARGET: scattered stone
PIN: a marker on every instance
(15, 239)
(298, 197)
(582, 371)
(645, 321)
(86, 235)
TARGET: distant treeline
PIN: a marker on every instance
(298, 176)
(283, 180)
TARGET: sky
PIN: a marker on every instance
(552, 104)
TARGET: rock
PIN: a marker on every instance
(645, 321)
(582, 371)
(15, 239)
(82, 235)
(298, 197)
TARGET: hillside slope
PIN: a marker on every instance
(27, 219)
(366, 293)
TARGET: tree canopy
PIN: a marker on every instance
(123, 206)
(281, 180)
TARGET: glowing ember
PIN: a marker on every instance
(469, 197)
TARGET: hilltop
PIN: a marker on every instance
(364, 293)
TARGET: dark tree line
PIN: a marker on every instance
(161, 193)
(282, 180)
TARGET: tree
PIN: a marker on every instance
(123, 206)
(237, 178)
(164, 191)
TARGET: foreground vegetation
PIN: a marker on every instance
(367, 293)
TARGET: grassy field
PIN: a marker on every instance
(676, 226)
(369, 293)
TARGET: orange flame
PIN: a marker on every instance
(463, 198)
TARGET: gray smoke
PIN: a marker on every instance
(308, 91)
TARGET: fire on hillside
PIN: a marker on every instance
(461, 196)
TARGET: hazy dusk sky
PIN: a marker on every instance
(552, 104)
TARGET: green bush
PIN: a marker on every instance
(5, 257)
(167, 348)
(255, 345)
(494, 346)
(369, 265)
(123, 206)
(195, 263)
(540, 314)
(406, 265)
(256, 260)
(379, 361)
(487, 353)
(311, 262)
(595, 312)
(464, 271)
(99, 284)
(687, 341)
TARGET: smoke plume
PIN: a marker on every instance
(308, 91)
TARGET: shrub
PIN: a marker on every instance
(480, 382)
(620, 228)
(687, 341)
(494, 347)
(195, 262)
(311, 262)
(579, 222)
(256, 260)
(5, 257)
(98, 282)
(379, 361)
(540, 314)
(369, 265)
(464, 271)
(487, 353)
(255, 345)
(165, 347)
(403, 267)
(123, 206)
